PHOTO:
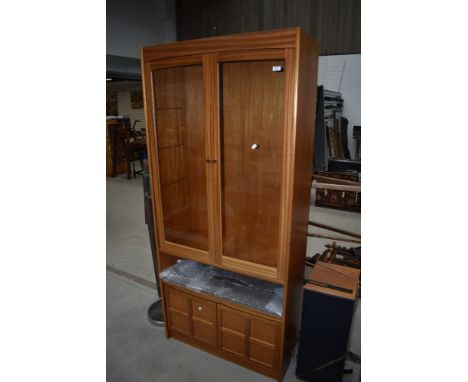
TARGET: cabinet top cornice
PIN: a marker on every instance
(279, 39)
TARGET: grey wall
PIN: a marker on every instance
(342, 73)
(335, 24)
(132, 24)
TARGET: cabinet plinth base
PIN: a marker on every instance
(250, 340)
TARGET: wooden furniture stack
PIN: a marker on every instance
(113, 168)
(123, 148)
(343, 200)
(230, 124)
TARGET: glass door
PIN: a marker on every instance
(252, 105)
(181, 157)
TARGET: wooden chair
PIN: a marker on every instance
(121, 137)
(138, 147)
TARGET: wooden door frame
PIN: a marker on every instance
(148, 68)
(209, 61)
(278, 273)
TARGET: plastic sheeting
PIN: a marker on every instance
(245, 290)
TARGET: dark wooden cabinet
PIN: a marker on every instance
(230, 124)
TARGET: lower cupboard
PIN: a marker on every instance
(251, 340)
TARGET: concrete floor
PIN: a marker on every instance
(138, 351)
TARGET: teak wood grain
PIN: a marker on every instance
(304, 105)
(337, 275)
(216, 200)
(252, 112)
(250, 339)
(181, 150)
(283, 38)
(240, 307)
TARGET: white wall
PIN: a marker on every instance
(343, 73)
(131, 25)
(123, 89)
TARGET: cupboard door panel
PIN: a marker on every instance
(179, 321)
(248, 338)
(264, 331)
(262, 354)
(178, 309)
(192, 317)
(178, 301)
(233, 342)
(251, 137)
(204, 321)
(232, 331)
(204, 331)
(232, 320)
(264, 341)
(204, 310)
(180, 130)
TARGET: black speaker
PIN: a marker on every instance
(327, 312)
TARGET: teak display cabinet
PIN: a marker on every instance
(230, 124)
